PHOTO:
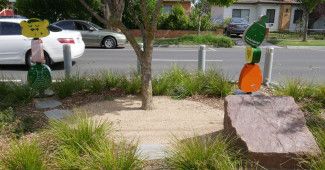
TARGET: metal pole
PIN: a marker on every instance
(201, 58)
(268, 64)
(138, 62)
(67, 60)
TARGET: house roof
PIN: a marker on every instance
(7, 12)
(267, 2)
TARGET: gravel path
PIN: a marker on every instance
(179, 118)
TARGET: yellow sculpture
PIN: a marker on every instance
(35, 28)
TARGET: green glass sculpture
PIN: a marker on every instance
(255, 34)
(39, 77)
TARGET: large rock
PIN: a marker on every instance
(271, 129)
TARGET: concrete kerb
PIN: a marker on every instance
(306, 47)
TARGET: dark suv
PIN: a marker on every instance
(236, 26)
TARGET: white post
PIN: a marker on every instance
(201, 58)
(268, 64)
(67, 60)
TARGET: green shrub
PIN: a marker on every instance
(298, 89)
(217, 84)
(69, 86)
(115, 80)
(134, 84)
(84, 132)
(25, 155)
(14, 94)
(83, 143)
(177, 20)
(95, 84)
(113, 156)
(196, 153)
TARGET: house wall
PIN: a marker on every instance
(293, 27)
(282, 21)
(186, 4)
(252, 14)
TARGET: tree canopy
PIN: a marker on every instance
(55, 10)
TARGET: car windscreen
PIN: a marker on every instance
(54, 28)
(96, 26)
(238, 21)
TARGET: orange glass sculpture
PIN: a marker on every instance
(250, 79)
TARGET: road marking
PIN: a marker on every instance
(155, 49)
(5, 80)
(170, 60)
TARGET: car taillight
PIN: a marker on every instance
(66, 40)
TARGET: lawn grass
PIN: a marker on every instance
(217, 41)
(295, 36)
(298, 42)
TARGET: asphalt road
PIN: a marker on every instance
(307, 64)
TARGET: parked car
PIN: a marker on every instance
(16, 49)
(92, 34)
(236, 26)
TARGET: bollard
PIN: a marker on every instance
(201, 58)
(268, 64)
(67, 60)
(138, 62)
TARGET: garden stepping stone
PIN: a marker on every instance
(47, 104)
(57, 114)
(152, 151)
(272, 130)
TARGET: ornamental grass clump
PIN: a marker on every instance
(208, 153)
(23, 155)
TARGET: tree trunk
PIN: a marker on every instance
(146, 77)
(199, 29)
(306, 25)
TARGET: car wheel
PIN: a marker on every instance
(109, 42)
(29, 63)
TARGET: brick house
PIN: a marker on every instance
(8, 11)
(283, 15)
(168, 5)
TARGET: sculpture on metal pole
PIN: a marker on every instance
(250, 79)
(39, 75)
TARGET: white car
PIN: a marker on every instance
(16, 49)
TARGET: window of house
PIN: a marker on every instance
(270, 13)
(7, 28)
(241, 13)
(297, 16)
(167, 9)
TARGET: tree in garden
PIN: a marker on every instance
(145, 14)
(3, 4)
(202, 8)
(308, 7)
(54, 10)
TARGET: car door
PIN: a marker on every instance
(90, 34)
(13, 45)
